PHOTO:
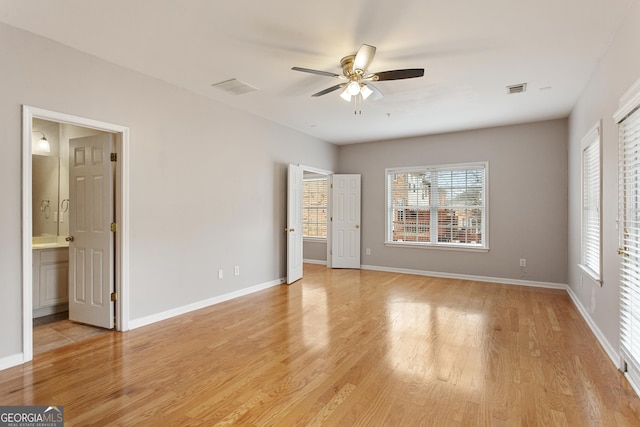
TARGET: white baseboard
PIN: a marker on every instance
(314, 261)
(468, 277)
(45, 311)
(144, 321)
(632, 381)
(11, 361)
(608, 348)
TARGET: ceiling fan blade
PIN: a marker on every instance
(329, 90)
(363, 58)
(376, 94)
(408, 73)
(321, 73)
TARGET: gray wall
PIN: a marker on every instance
(315, 251)
(527, 199)
(617, 71)
(199, 200)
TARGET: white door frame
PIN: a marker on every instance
(122, 217)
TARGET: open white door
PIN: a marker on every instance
(91, 240)
(345, 226)
(294, 224)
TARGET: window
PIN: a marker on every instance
(590, 260)
(628, 117)
(314, 208)
(441, 206)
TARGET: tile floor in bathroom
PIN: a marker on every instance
(56, 330)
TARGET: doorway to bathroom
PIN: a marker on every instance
(74, 224)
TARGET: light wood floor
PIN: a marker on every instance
(347, 348)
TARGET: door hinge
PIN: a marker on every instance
(114, 227)
(331, 185)
(114, 157)
(114, 296)
(331, 219)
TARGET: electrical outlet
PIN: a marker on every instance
(220, 274)
(367, 251)
(523, 262)
(236, 270)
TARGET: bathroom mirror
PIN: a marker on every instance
(45, 195)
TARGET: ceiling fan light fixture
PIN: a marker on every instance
(365, 91)
(346, 95)
(353, 88)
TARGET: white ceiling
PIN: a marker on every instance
(470, 49)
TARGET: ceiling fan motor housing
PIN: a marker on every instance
(347, 66)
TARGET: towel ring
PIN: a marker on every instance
(45, 208)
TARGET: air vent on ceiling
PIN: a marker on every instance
(234, 86)
(519, 88)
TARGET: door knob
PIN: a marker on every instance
(357, 225)
(291, 230)
(69, 239)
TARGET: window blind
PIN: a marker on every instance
(591, 204)
(629, 199)
(437, 205)
(314, 208)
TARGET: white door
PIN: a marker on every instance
(294, 224)
(345, 225)
(91, 240)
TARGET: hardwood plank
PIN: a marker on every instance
(343, 347)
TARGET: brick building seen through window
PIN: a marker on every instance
(437, 206)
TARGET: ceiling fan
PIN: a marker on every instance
(356, 80)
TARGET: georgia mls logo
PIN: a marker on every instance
(31, 416)
(53, 408)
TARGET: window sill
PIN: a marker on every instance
(591, 274)
(451, 247)
(315, 239)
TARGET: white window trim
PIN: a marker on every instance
(628, 102)
(314, 239)
(440, 246)
(437, 246)
(593, 136)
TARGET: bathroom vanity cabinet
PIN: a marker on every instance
(50, 280)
